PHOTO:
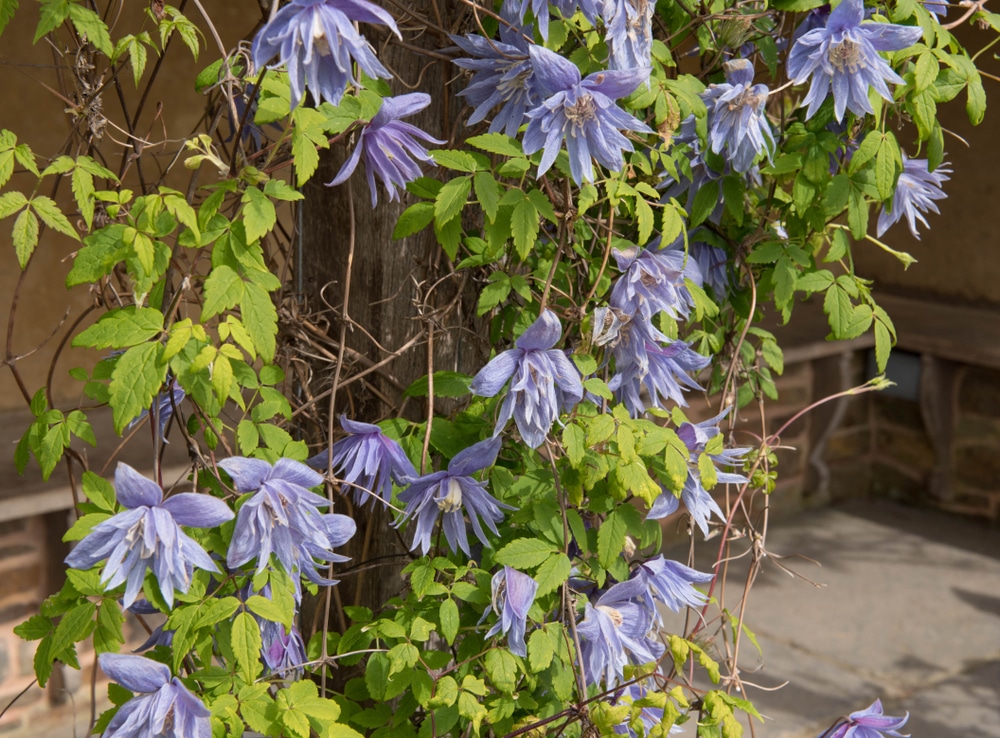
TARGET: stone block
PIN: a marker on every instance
(977, 465)
(15, 612)
(909, 448)
(849, 480)
(12, 526)
(977, 428)
(892, 482)
(22, 580)
(26, 657)
(979, 392)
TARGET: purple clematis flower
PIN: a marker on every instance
(713, 263)
(615, 630)
(513, 593)
(736, 119)
(390, 147)
(283, 651)
(162, 409)
(844, 55)
(450, 492)
(502, 74)
(671, 583)
(147, 535)
(583, 113)
(916, 191)
(870, 723)
(317, 41)
(652, 280)
(162, 705)
(282, 517)
(544, 382)
(367, 460)
(630, 33)
(649, 717)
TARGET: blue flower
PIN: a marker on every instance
(844, 55)
(282, 517)
(583, 112)
(513, 593)
(449, 493)
(147, 535)
(630, 33)
(736, 119)
(502, 76)
(162, 706)
(649, 717)
(870, 723)
(162, 409)
(614, 631)
(540, 9)
(670, 583)
(713, 263)
(939, 8)
(367, 460)
(544, 382)
(916, 191)
(390, 147)
(317, 41)
(652, 280)
(283, 651)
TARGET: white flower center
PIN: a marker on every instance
(847, 56)
(616, 617)
(581, 111)
(320, 41)
(749, 99)
(452, 501)
(137, 533)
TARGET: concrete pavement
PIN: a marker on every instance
(909, 612)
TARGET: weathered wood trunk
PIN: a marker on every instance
(391, 284)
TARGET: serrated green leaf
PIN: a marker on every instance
(258, 214)
(137, 377)
(25, 236)
(451, 199)
(11, 202)
(496, 143)
(260, 318)
(7, 10)
(524, 553)
(246, 643)
(89, 24)
(448, 614)
(704, 203)
(540, 650)
(501, 668)
(611, 539)
(459, 161)
(574, 441)
(414, 219)
(223, 291)
(975, 107)
(552, 573)
(446, 384)
(487, 193)
(52, 216)
(121, 328)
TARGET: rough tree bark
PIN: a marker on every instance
(389, 280)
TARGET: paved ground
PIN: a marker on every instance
(910, 613)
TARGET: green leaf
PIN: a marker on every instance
(74, 626)
(246, 643)
(540, 650)
(704, 203)
(866, 151)
(448, 613)
(552, 574)
(501, 668)
(496, 143)
(857, 213)
(7, 10)
(814, 281)
(784, 281)
(446, 384)
(108, 635)
(574, 441)
(52, 15)
(25, 236)
(135, 380)
(883, 345)
(975, 108)
(99, 491)
(888, 164)
(101, 251)
(524, 553)
(53, 217)
(459, 161)
(89, 24)
(121, 328)
(488, 193)
(11, 202)
(260, 318)
(223, 290)
(451, 199)
(414, 219)
(34, 628)
(524, 225)
(925, 71)
(611, 539)
(259, 216)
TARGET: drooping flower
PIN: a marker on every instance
(615, 630)
(162, 409)
(583, 113)
(282, 518)
(649, 717)
(283, 651)
(870, 723)
(513, 593)
(670, 583)
(544, 383)
(502, 74)
(162, 706)
(713, 263)
(318, 43)
(916, 191)
(630, 33)
(449, 494)
(540, 9)
(147, 535)
(938, 7)
(652, 280)
(390, 146)
(736, 119)
(844, 55)
(367, 460)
